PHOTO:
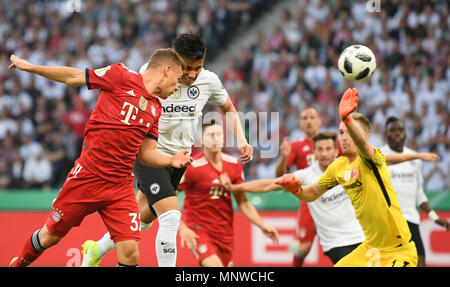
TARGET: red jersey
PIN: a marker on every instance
(207, 205)
(302, 154)
(124, 114)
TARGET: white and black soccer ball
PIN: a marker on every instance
(357, 63)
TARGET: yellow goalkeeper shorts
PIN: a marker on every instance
(365, 256)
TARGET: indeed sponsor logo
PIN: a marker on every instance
(176, 109)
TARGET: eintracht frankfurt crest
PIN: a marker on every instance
(193, 92)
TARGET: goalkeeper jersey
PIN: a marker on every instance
(367, 183)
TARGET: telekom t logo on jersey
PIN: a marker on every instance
(129, 111)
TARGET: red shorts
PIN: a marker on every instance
(306, 230)
(207, 246)
(84, 193)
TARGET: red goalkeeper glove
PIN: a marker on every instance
(348, 104)
(290, 183)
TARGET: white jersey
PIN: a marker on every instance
(182, 111)
(333, 213)
(407, 180)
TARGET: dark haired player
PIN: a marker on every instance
(123, 123)
(407, 181)
(207, 226)
(180, 117)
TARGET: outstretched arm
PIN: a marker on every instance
(348, 104)
(149, 155)
(307, 193)
(67, 75)
(425, 206)
(229, 111)
(401, 157)
(254, 186)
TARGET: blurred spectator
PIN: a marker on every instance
(411, 42)
(5, 175)
(293, 67)
(266, 168)
(56, 154)
(29, 148)
(37, 172)
(76, 119)
(16, 168)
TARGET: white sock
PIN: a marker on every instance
(166, 238)
(105, 244)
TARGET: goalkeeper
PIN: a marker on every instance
(363, 174)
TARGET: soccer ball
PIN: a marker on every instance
(357, 63)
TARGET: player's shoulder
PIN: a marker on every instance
(208, 77)
(340, 161)
(385, 149)
(301, 146)
(205, 73)
(229, 158)
(408, 150)
(199, 160)
(305, 141)
(125, 69)
(304, 172)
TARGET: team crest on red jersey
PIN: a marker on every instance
(143, 103)
(57, 215)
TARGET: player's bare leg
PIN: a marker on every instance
(302, 252)
(145, 213)
(127, 252)
(212, 261)
(169, 216)
(40, 240)
(47, 239)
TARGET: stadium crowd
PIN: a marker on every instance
(295, 65)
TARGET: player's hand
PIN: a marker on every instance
(429, 156)
(290, 183)
(188, 237)
(348, 104)
(285, 147)
(246, 152)
(181, 159)
(444, 223)
(226, 181)
(271, 232)
(18, 63)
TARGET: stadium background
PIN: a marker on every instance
(272, 56)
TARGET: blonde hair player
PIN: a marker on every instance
(363, 174)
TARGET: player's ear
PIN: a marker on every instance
(166, 70)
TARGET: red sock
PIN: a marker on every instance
(298, 261)
(31, 251)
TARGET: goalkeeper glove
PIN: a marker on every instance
(290, 183)
(348, 104)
